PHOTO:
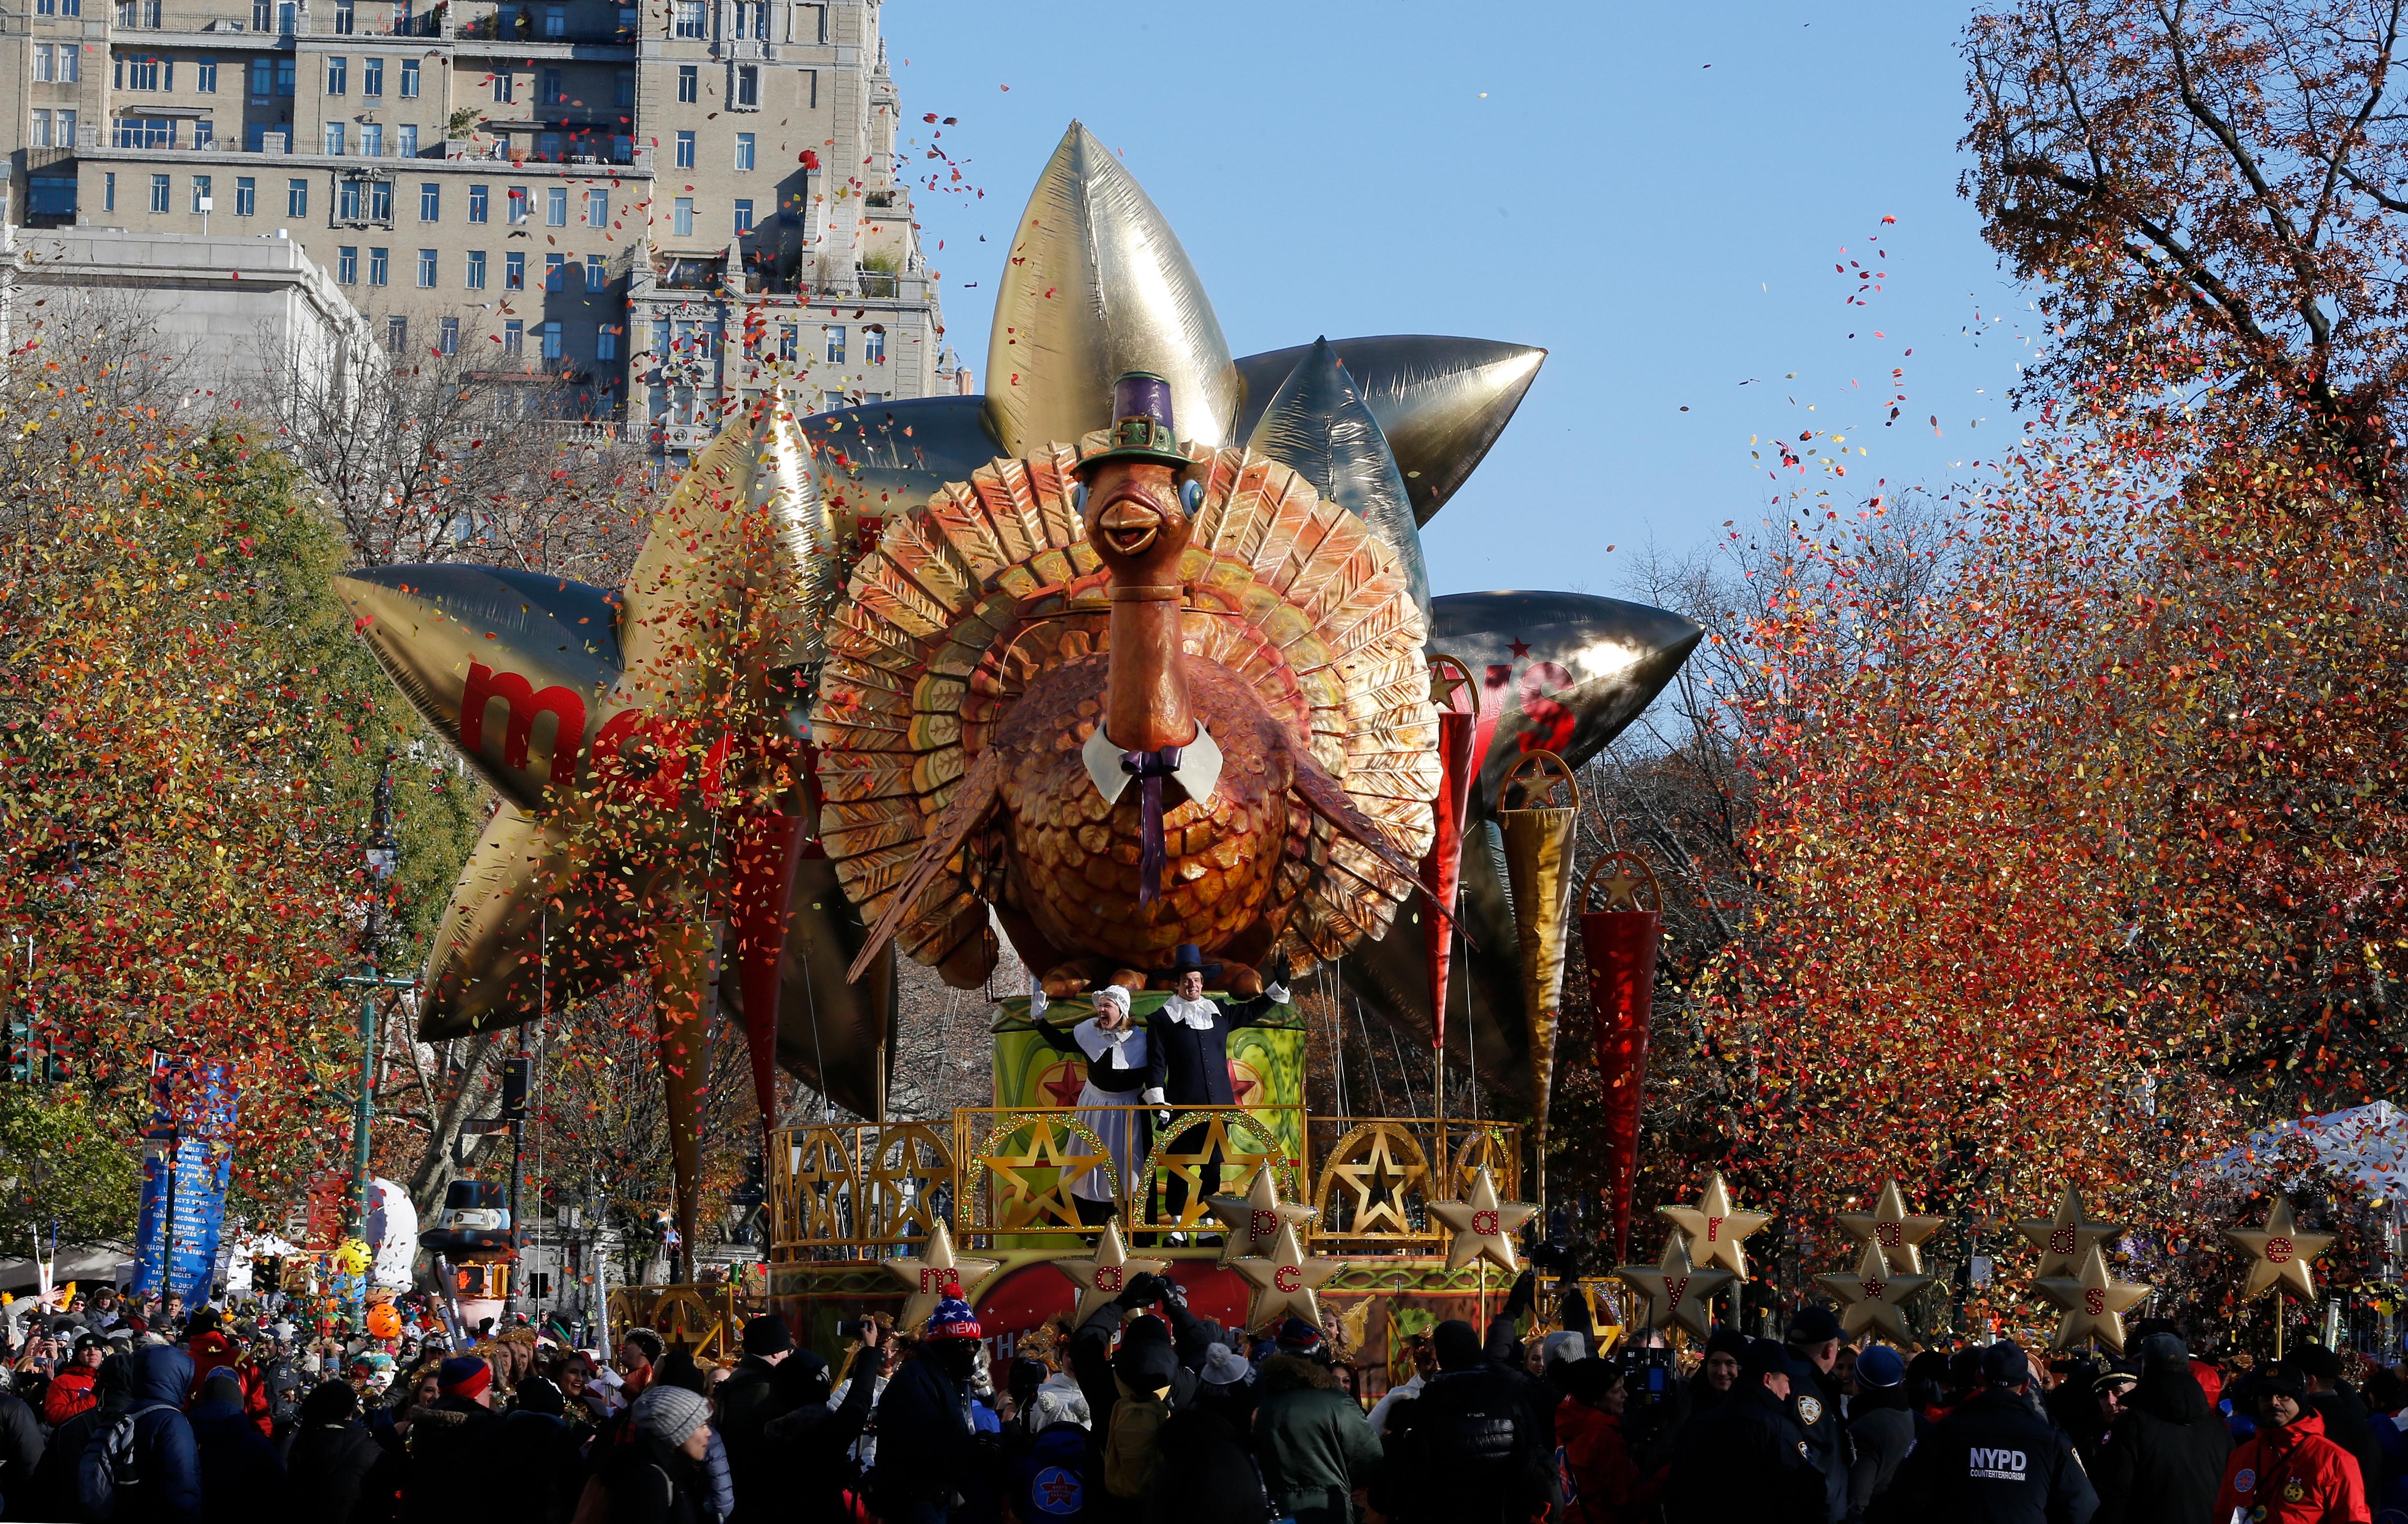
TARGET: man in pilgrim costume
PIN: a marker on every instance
(1187, 1057)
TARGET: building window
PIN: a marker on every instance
(505, 86)
(748, 85)
(408, 132)
(689, 82)
(835, 331)
(551, 332)
(447, 336)
(409, 79)
(555, 272)
(41, 128)
(689, 18)
(146, 132)
(246, 195)
(66, 129)
(744, 218)
(338, 73)
(296, 198)
(548, 147)
(809, 87)
(396, 335)
(476, 269)
(556, 89)
(427, 268)
(430, 201)
(477, 202)
(555, 207)
(685, 151)
(555, 21)
(108, 190)
(203, 200)
(605, 342)
(371, 76)
(753, 19)
(790, 342)
(346, 19)
(379, 267)
(71, 66)
(597, 208)
(204, 132)
(372, 139)
(598, 274)
(380, 202)
(43, 70)
(287, 71)
(145, 74)
(347, 264)
(51, 197)
(159, 193)
(624, 88)
(513, 337)
(831, 401)
(873, 345)
(349, 205)
(744, 150)
(517, 205)
(263, 76)
(333, 138)
(514, 272)
(683, 222)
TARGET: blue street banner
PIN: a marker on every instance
(188, 1156)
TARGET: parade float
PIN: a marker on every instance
(1133, 657)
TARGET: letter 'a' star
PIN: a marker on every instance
(1482, 1227)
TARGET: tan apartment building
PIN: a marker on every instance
(649, 211)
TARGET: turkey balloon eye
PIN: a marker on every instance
(1079, 498)
(1191, 497)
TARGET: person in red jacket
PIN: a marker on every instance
(211, 1350)
(71, 1391)
(2288, 1472)
(1601, 1484)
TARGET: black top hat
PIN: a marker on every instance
(1189, 959)
(1141, 429)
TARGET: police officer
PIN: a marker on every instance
(1814, 1348)
(1743, 1461)
(1993, 1460)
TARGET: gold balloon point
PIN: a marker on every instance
(1255, 1219)
(1284, 1280)
(1102, 1276)
(935, 1273)
(2065, 1238)
(1873, 1296)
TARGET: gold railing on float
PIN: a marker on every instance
(707, 1320)
(1003, 1176)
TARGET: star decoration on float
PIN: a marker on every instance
(1899, 1233)
(2094, 1301)
(1213, 1142)
(1023, 1202)
(1483, 1227)
(1255, 1219)
(1676, 1290)
(1102, 1277)
(1283, 1280)
(1872, 1297)
(1714, 1228)
(2279, 1253)
(935, 1273)
(2064, 1239)
(1376, 1178)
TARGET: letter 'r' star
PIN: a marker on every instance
(1715, 1228)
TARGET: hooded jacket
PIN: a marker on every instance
(212, 1351)
(2296, 1474)
(164, 1449)
(1313, 1442)
(2165, 1457)
(242, 1477)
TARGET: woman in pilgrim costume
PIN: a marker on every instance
(1114, 1046)
(1187, 1056)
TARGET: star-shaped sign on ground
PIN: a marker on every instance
(1482, 1227)
(936, 1272)
(1283, 1280)
(1107, 1275)
(1255, 1219)
(2066, 1238)
(2279, 1253)
(2094, 1301)
(1378, 1181)
(1715, 1227)
(1872, 1297)
(1023, 1202)
(1676, 1290)
(1899, 1233)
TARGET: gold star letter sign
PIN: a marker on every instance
(1872, 1297)
(1714, 1228)
(2094, 1301)
(1104, 1277)
(1888, 1225)
(2064, 1240)
(1255, 1219)
(2279, 1253)
(1484, 1227)
(936, 1273)
(1676, 1291)
(1283, 1282)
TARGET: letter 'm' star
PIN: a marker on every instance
(1676, 1290)
(1898, 1232)
(2066, 1238)
(1254, 1219)
(1872, 1297)
(1484, 1227)
(2094, 1301)
(1715, 1227)
(1284, 1281)
(1103, 1277)
(936, 1272)
(2279, 1253)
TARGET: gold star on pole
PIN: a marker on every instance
(1889, 1225)
(2279, 1253)
(936, 1273)
(1714, 1228)
(1022, 1203)
(1254, 1219)
(1484, 1227)
(1103, 1277)
(1871, 1297)
(1285, 1279)
(2066, 1238)
(2094, 1301)
(1676, 1290)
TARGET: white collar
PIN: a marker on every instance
(1196, 1013)
(1198, 770)
(1095, 1042)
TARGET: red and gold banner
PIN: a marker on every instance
(1621, 941)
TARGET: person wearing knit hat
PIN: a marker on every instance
(746, 1401)
(673, 1417)
(455, 1444)
(467, 1376)
(926, 1444)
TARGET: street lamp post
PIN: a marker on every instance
(382, 852)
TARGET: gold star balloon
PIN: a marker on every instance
(2094, 1301)
(1714, 1228)
(1899, 1233)
(1482, 1227)
(1872, 1297)
(2066, 1238)
(936, 1272)
(1285, 1279)
(1254, 1219)
(2279, 1253)
(1676, 1290)
(1104, 1276)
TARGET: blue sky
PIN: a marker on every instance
(1571, 175)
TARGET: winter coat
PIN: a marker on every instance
(328, 1467)
(1993, 1461)
(1314, 1445)
(748, 1401)
(164, 1450)
(543, 1473)
(1743, 1461)
(2164, 1458)
(21, 1455)
(2296, 1474)
(925, 1443)
(70, 1392)
(242, 1477)
(1601, 1484)
(1201, 1475)
(649, 1483)
(212, 1351)
(1881, 1433)
(1468, 1451)
(453, 1454)
(1814, 1406)
(2350, 1425)
(57, 1484)
(812, 1450)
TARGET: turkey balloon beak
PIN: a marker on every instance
(1129, 526)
